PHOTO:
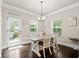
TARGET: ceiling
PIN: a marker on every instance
(35, 5)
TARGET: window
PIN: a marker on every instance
(13, 27)
(33, 27)
(57, 26)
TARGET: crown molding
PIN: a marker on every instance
(74, 5)
(18, 9)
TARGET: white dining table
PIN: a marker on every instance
(34, 44)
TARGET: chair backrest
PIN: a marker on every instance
(47, 40)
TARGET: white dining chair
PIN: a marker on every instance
(34, 45)
(46, 44)
(55, 44)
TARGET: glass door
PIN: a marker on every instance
(13, 30)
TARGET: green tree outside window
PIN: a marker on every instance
(57, 26)
(33, 28)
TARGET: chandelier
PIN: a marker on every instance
(42, 18)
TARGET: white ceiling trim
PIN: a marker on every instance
(18, 9)
(52, 13)
(64, 9)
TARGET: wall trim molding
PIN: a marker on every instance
(18, 9)
(74, 5)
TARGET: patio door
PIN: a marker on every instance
(13, 33)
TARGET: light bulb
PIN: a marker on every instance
(38, 18)
(42, 18)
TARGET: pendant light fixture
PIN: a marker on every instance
(42, 18)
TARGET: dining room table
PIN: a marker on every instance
(35, 44)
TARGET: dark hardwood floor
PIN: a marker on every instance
(25, 52)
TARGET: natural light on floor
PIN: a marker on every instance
(15, 47)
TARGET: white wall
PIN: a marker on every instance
(67, 31)
(25, 19)
(0, 28)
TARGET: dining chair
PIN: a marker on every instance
(34, 46)
(55, 45)
(46, 44)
